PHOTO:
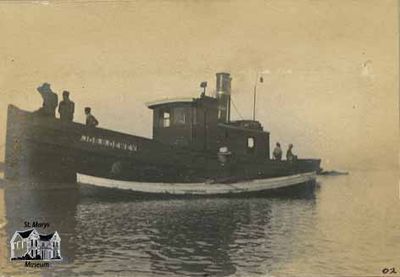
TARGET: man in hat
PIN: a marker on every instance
(50, 101)
(66, 108)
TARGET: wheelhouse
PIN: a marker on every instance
(204, 124)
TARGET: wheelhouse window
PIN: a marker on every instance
(180, 115)
(250, 144)
(165, 119)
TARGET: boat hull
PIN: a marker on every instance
(49, 150)
(200, 189)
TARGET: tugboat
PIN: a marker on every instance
(196, 149)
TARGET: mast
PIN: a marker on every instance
(254, 102)
(255, 95)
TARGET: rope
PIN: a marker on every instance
(236, 109)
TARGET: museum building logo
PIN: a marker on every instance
(30, 245)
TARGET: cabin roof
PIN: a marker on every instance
(248, 124)
(241, 128)
(156, 103)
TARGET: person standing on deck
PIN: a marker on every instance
(91, 121)
(50, 101)
(277, 152)
(66, 108)
(289, 154)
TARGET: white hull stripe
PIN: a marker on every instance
(199, 188)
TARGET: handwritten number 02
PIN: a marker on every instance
(391, 270)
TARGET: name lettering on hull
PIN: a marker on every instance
(109, 143)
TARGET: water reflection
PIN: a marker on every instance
(186, 237)
(106, 232)
(348, 227)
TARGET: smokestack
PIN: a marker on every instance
(224, 96)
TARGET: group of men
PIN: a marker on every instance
(66, 108)
(278, 153)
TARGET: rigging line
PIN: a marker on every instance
(236, 109)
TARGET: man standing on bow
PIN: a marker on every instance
(91, 121)
(50, 101)
(66, 108)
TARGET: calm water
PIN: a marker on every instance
(350, 226)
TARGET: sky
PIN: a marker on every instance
(330, 67)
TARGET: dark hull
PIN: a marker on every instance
(48, 149)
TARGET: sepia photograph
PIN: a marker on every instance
(199, 138)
